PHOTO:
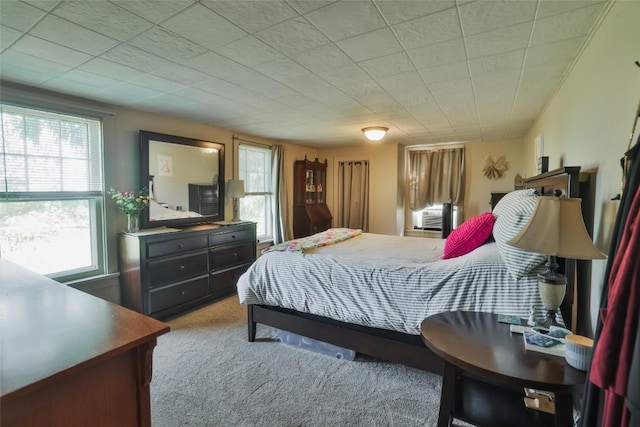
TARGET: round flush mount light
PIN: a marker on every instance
(375, 133)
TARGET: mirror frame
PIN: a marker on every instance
(145, 138)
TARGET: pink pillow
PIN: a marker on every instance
(469, 235)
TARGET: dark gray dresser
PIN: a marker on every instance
(166, 271)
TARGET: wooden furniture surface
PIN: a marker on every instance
(69, 358)
(203, 199)
(477, 349)
(164, 273)
(383, 344)
(310, 211)
(495, 198)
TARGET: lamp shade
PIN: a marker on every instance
(235, 188)
(375, 133)
(556, 228)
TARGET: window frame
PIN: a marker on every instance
(268, 215)
(94, 198)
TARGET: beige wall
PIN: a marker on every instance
(588, 121)
(383, 166)
(478, 188)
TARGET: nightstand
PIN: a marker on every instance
(486, 370)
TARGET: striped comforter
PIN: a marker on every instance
(387, 282)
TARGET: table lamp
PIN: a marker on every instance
(556, 229)
(235, 190)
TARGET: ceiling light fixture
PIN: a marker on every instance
(375, 133)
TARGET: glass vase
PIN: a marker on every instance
(133, 222)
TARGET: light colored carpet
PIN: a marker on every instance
(206, 373)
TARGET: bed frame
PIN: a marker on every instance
(394, 346)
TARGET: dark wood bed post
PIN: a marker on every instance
(251, 325)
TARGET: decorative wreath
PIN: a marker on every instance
(495, 168)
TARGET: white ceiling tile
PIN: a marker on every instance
(482, 16)
(90, 80)
(8, 36)
(68, 34)
(443, 73)
(407, 82)
(404, 10)
(19, 15)
(322, 58)
(22, 68)
(156, 83)
(50, 51)
(343, 75)
(453, 91)
(388, 65)
(125, 94)
(488, 66)
(110, 69)
(249, 51)
(164, 43)
(154, 10)
(293, 36)
(43, 4)
(308, 83)
(103, 17)
(366, 92)
(439, 53)
(565, 25)
(282, 70)
(203, 26)
(70, 86)
(252, 16)
(553, 7)
(431, 29)
(344, 19)
(304, 6)
(216, 65)
(499, 41)
(217, 86)
(562, 51)
(370, 45)
(171, 101)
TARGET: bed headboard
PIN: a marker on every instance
(566, 179)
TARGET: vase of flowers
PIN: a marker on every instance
(132, 204)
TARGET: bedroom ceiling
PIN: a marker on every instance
(311, 72)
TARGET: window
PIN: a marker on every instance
(51, 192)
(255, 170)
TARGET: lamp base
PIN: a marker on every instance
(236, 210)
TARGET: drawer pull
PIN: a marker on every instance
(233, 236)
(180, 245)
(183, 293)
(235, 255)
(181, 267)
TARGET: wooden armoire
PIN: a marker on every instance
(311, 214)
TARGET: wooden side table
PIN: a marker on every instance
(486, 370)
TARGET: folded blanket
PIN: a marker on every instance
(329, 237)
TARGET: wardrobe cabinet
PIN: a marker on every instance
(310, 211)
(166, 271)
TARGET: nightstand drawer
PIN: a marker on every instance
(228, 256)
(177, 269)
(230, 237)
(171, 296)
(176, 246)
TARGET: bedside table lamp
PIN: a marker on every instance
(235, 190)
(556, 229)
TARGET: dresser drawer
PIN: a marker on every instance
(171, 296)
(228, 256)
(176, 246)
(230, 237)
(177, 269)
(226, 281)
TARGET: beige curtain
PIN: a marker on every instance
(435, 177)
(282, 216)
(353, 195)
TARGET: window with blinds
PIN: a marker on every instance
(51, 191)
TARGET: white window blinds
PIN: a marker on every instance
(43, 152)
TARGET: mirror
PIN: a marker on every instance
(185, 178)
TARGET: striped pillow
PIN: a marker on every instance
(512, 213)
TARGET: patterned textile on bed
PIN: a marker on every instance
(329, 237)
(388, 282)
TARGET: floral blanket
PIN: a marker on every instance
(329, 237)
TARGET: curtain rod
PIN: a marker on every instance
(233, 137)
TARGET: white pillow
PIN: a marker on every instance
(512, 213)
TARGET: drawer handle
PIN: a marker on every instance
(233, 236)
(235, 255)
(183, 293)
(180, 245)
(181, 267)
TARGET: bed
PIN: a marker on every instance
(157, 212)
(370, 292)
